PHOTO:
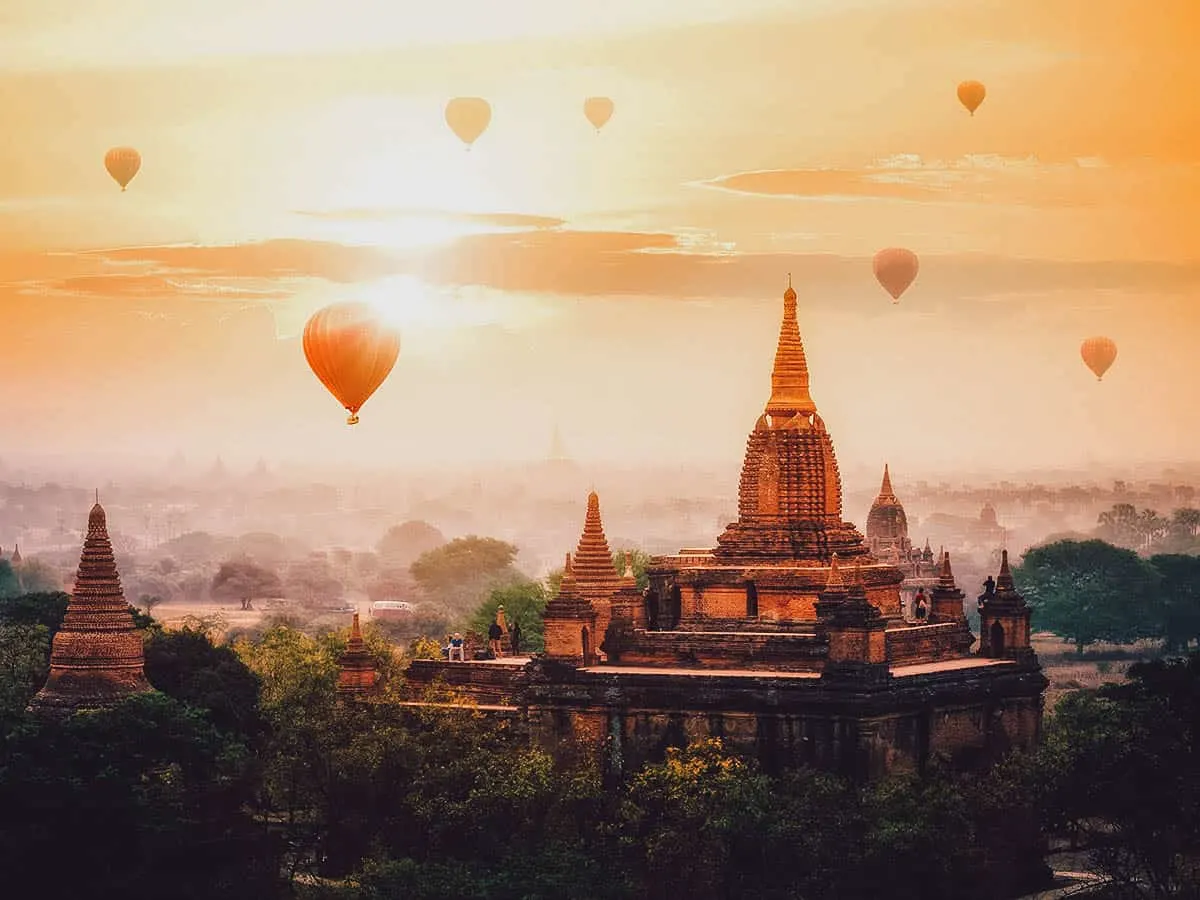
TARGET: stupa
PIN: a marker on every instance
(97, 659)
(356, 668)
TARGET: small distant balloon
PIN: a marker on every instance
(896, 268)
(971, 94)
(468, 117)
(1098, 354)
(351, 352)
(598, 111)
(122, 164)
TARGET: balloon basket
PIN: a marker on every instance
(352, 419)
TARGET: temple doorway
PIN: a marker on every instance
(585, 640)
(997, 639)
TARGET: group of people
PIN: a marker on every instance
(502, 637)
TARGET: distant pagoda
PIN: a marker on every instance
(97, 660)
(356, 667)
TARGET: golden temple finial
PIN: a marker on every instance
(789, 376)
(885, 489)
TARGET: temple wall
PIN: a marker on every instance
(860, 645)
(899, 743)
(749, 650)
(729, 602)
(916, 644)
(481, 682)
(564, 637)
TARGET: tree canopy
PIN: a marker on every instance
(1089, 591)
(402, 545)
(244, 580)
(465, 570)
(524, 602)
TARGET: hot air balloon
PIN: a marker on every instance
(468, 117)
(971, 94)
(351, 352)
(1098, 354)
(122, 164)
(598, 111)
(896, 268)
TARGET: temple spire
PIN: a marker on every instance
(96, 659)
(593, 562)
(1004, 581)
(356, 667)
(789, 377)
(885, 489)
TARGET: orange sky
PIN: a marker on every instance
(628, 284)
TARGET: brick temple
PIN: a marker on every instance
(787, 639)
(96, 660)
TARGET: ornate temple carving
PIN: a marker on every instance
(97, 659)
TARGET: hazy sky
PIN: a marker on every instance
(627, 284)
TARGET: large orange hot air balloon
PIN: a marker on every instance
(896, 268)
(122, 164)
(971, 94)
(598, 111)
(468, 117)
(1098, 354)
(351, 352)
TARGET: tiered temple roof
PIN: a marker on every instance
(790, 495)
(97, 658)
(570, 602)
(356, 668)
(887, 523)
(593, 562)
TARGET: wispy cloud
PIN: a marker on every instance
(568, 263)
(982, 178)
(383, 214)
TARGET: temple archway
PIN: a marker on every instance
(585, 641)
(751, 600)
(997, 639)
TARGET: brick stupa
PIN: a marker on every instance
(356, 668)
(97, 659)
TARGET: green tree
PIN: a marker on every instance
(147, 794)
(186, 665)
(1119, 526)
(1119, 771)
(245, 581)
(1178, 598)
(10, 586)
(402, 545)
(464, 571)
(524, 602)
(24, 662)
(1088, 591)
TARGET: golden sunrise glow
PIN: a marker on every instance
(297, 154)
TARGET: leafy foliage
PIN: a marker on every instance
(524, 603)
(1088, 591)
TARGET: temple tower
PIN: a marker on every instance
(96, 660)
(595, 575)
(855, 628)
(1004, 619)
(570, 623)
(356, 667)
(887, 524)
(790, 494)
